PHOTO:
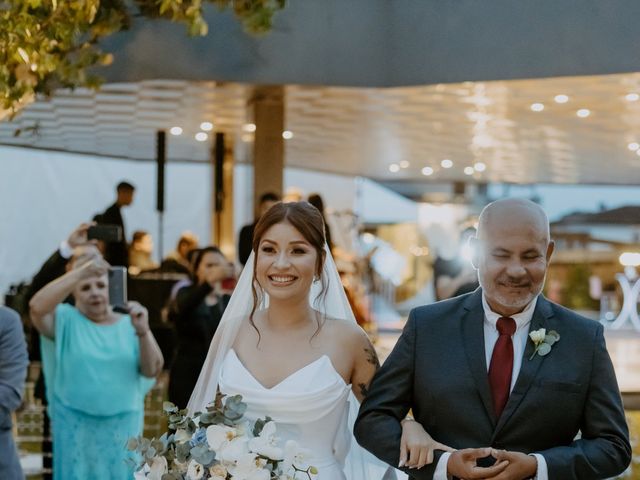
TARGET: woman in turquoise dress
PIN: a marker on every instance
(98, 366)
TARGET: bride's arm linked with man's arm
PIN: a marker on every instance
(382, 424)
(416, 448)
(379, 425)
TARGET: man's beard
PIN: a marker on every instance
(511, 301)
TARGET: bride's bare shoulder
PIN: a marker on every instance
(345, 330)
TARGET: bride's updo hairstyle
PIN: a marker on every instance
(305, 218)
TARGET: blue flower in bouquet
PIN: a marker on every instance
(199, 437)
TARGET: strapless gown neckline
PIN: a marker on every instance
(309, 406)
(313, 364)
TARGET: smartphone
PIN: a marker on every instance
(106, 232)
(118, 289)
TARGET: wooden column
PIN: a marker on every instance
(268, 148)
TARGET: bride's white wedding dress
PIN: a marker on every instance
(310, 406)
(313, 406)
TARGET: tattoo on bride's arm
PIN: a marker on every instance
(372, 357)
(364, 391)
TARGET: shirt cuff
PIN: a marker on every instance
(542, 473)
(65, 250)
(441, 468)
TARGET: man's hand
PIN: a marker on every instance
(417, 446)
(519, 467)
(462, 464)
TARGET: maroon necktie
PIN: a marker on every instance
(502, 364)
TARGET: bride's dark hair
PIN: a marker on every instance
(305, 218)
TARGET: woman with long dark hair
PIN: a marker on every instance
(196, 312)
(289, 344)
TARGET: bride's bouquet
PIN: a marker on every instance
(219, 444)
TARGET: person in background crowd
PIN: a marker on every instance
(196, 312)
(140, 252)
(245, 238)
(455, 276)
(316, 200)
(55, 266)
(116, 252)
(178, 260)
(14, 361)
(98, 367)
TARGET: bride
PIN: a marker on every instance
(289, 344)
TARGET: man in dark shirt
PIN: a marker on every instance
(245, 239)
(116, 252)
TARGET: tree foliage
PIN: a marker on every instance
(48, 44)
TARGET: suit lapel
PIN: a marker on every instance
(473, 338)
(528, 368)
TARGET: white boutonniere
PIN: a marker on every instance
(543, 341)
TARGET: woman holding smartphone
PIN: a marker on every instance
(98, 367)
(196, 313)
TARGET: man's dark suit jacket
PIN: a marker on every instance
(116, 253)
(438, 369)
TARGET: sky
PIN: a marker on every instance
(560, 200)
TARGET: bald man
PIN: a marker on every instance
(475, 379)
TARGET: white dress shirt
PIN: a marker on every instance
(519, 338)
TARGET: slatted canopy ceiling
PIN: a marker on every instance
(362, 131)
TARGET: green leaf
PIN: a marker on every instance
(132, 444)
(544, 349)
(183, 452)
(57, 43)
(259, 425)
(550, 339)
(203, 455)
(554, 334)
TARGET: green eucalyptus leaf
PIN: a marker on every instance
(169, 407)
(171, 476)
(183, 452)
(158, 446)
(150, 453)
(550, 339)
(132, 444)
(259, 425)
(554, 334)
(203, 455)
(544, 349)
